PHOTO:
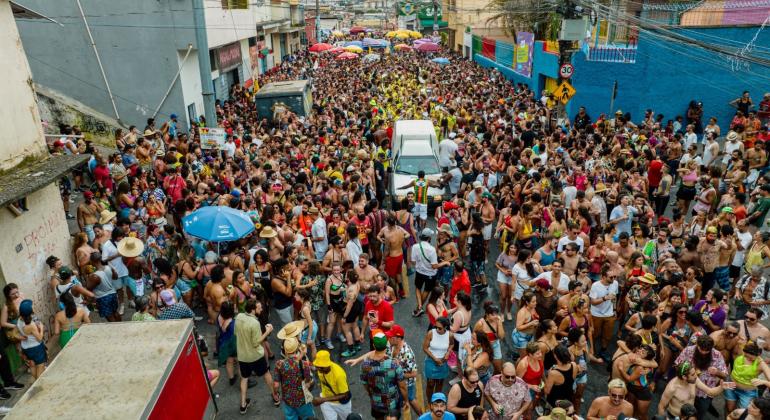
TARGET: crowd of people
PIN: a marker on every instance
(597, 264)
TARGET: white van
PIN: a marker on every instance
(415, 148)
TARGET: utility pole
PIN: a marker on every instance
(204, 63)
(317, 22)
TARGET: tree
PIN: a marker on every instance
(536, 16)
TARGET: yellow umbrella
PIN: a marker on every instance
(338, 33)
(402, 35)
(354, 49)
(391, 34)
(415, 34)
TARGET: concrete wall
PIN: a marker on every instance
(226, 26)
(137, 41)
(28, 240)
(667, 76)
(57, 109)
(22, 133)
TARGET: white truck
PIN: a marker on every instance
(414, 148)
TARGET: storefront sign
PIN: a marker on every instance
(212, 138)
(229, 56)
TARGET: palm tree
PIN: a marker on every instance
(536, 16)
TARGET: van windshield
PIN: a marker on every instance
(410, 165)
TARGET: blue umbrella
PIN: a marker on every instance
(440, 60)
(218, 224)
(356, 43)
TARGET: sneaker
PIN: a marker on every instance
(252, 382)
(341, 337)
(121, 309)
(246, 407)
(418, 312)
(4, 395)
(508, 316)
(329, 344)
(198, 318)
(131, 304)
(14, 385)
(357, 347)
(350, 352)
(70, 216)
(233, 380)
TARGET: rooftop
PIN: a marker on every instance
(19, 182)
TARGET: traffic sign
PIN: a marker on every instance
(566, 70)
(564, 92)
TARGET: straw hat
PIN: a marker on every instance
(130, 247)
(292, 329)
(732, 135)
(105, 216)
(648, 278)
(290, 346)
(268, 232)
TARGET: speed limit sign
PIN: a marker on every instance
(566, 71)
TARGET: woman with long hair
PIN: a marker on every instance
(560, 379)
(491, 324)
(523, 272)
(187, 271)
(436, 308)
(437, 345)
(478, 355)
(68, 320)
(504, 264)
(547, 340)
(353, 310)
(32, 344)
(527, 321)
(309, 333)
(83, 251)
(531, 370)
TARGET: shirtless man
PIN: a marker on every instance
(214, 294)
(571, 259)
(88, 214)
(709, 251)
(728, 341)
(757, 158)
(101, 236)
(681, 390)
(393, 237)
(613, 405)
(366, 273)
(750, 329)
(579, 202)
(274, 245)
(488, 216)
(726, 256)
(447, 252)
(624, 248)
(627, 355)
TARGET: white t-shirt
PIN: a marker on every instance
(521, 278)
(600, 290)
(456, 181)
(570, 192)
(354, 249)
(446, 153)
(318, 230)
(730, 147)
(563, 280)
(424, 257)
(686, 158)
(689, 140)
(108, 250)
(229, 148)
(566, 240)
(745, 239)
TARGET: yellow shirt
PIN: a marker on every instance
(333, 383)
(248, 338)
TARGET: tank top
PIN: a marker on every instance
(549, 359)
(532, 376)
(31, 341)
(754, 258)
(421, 191)
(564, 390)
(281, 301)
(743, 373)
(439, 344)
(546, 259)
(468, 399)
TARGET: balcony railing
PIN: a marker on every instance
(612, 54)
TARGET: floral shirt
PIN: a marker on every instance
(511, 398)
(317, 291)
(717, 361)
(635, 296)
(407, 360)
(290, 376)
(382, 378)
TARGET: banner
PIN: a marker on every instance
(524, 53)
(488, 48)
(212, 138)
(254, 60)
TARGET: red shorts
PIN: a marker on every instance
(393, 265)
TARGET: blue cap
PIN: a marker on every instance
(25, 307)
(172, 116)
(438, 396)
(235, 193)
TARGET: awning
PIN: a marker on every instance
(17, 183)
(428, 23)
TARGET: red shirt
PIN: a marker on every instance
(460, 283)
(362, 225)
(102, 176)
(174, 185)
(655, 172)
(383, 310)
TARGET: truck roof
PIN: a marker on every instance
(107, 370)
(291, 87)
(415, 126)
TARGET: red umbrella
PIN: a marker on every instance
(322, 46)
(336, 50)
(347, 56)
(357, 29)
(427, 47)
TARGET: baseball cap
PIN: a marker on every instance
(167, 296)
(395, 331)
(172, 116)
(427, 233)
(545, 284)
(25, 307)
(65, 272)
(379, 340)
(477, 184)
(88, 194)
(438, 396)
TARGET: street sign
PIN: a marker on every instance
(566, 70)
(564, 92)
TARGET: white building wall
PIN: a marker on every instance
(224, 26)
(22, 133)
(190, 81)
(28, 240)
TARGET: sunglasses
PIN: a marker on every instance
(681, 312)
(617, 396)
(509, 377)
(730, 334)
(749, 318)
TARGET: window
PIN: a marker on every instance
(213, 61)
(235, 4)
